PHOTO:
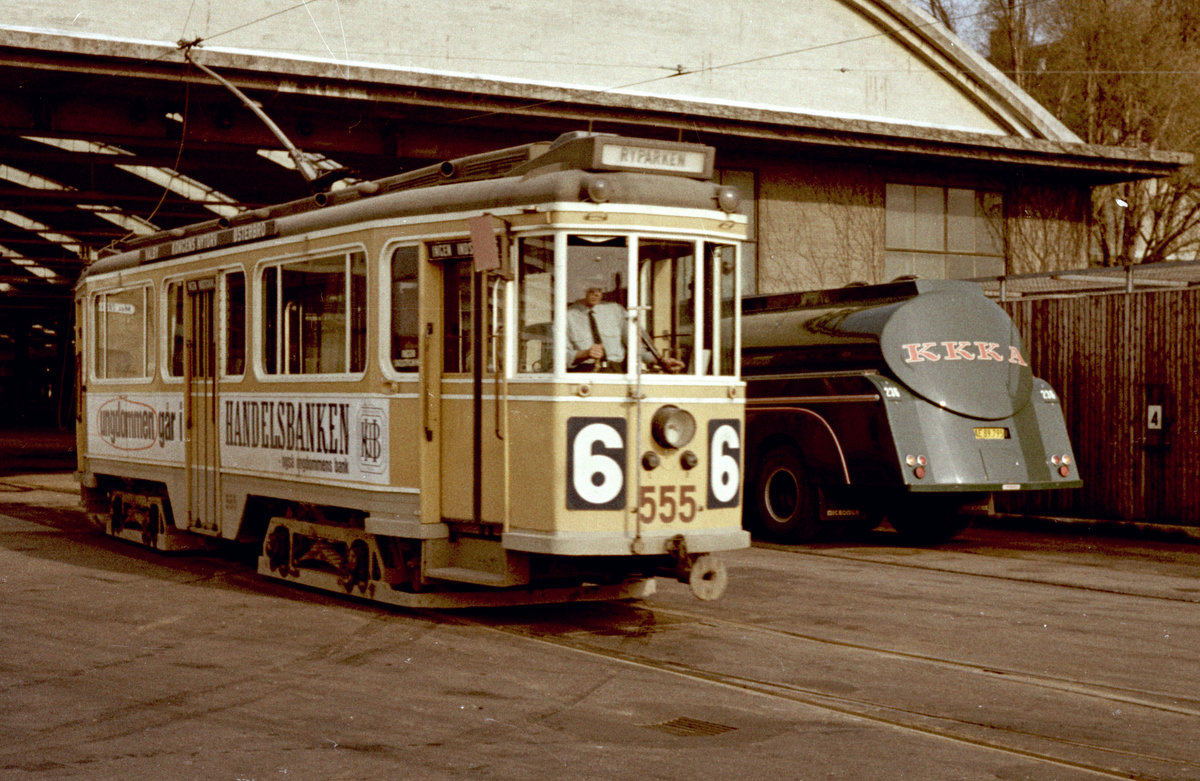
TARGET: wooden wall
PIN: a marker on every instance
(1111, 356)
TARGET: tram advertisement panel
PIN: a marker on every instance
(333, 437)
(136, 426)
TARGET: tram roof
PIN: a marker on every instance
(576, 167)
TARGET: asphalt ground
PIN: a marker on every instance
(1008, 654)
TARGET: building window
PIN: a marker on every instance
(943, 232)
(123, 325)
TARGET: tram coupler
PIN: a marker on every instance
(704, 573)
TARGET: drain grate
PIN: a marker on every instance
(689, 727)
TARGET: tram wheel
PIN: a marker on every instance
(117, 514)
(278, 549)
(785, 503)
(928, 520)
(356, 570)
(150, 528)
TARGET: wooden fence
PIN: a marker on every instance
(1126, 366)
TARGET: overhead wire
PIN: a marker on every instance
(185, 114)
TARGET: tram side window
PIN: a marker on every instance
(456, 355)
(235, 323)
(458, 312)
(535, 306)
(721, 264)
(314, 315)
(175, 329)
(405, 315)
(124, 334)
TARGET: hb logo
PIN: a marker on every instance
(372, 425)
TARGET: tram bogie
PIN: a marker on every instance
(446, 388)
(911, 401)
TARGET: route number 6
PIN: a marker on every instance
(595, 463)
(725, 462)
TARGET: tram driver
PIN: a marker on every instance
(596, 337)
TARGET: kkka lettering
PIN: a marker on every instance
(922, 352)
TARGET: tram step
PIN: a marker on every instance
(467, 575)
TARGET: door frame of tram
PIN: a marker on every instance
(445, 257)
(202, 440)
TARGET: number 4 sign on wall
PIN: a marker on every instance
(1154, 417)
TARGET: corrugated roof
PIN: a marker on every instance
(1135, 278)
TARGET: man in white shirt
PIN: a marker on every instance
(596, 336)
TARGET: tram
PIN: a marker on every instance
(395, 391)
(911, 401)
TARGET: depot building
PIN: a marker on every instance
(868, 142)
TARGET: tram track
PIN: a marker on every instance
(1186, 598)
(665, 639)
(1139, 697)
(1050, 749)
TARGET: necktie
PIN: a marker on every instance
(595, 327)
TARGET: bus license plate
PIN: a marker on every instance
(991, 433)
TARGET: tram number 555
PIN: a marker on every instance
(667, 503)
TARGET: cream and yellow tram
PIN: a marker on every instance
(401, 390)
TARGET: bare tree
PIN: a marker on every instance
(1124, 73)
(1014, 29)
(961, 17)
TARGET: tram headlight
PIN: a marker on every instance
(672, 427)
(598, 189)
(729, 199)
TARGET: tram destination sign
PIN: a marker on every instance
(651, 159)
(664, 157)
(457, 249)
(211, 240)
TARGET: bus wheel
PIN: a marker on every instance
(928, 520)
(785, 503)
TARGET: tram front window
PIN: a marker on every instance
(667, 276)
(598, 294)
(601, 337)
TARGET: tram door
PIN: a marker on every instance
(200, 375)
(472, 486)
